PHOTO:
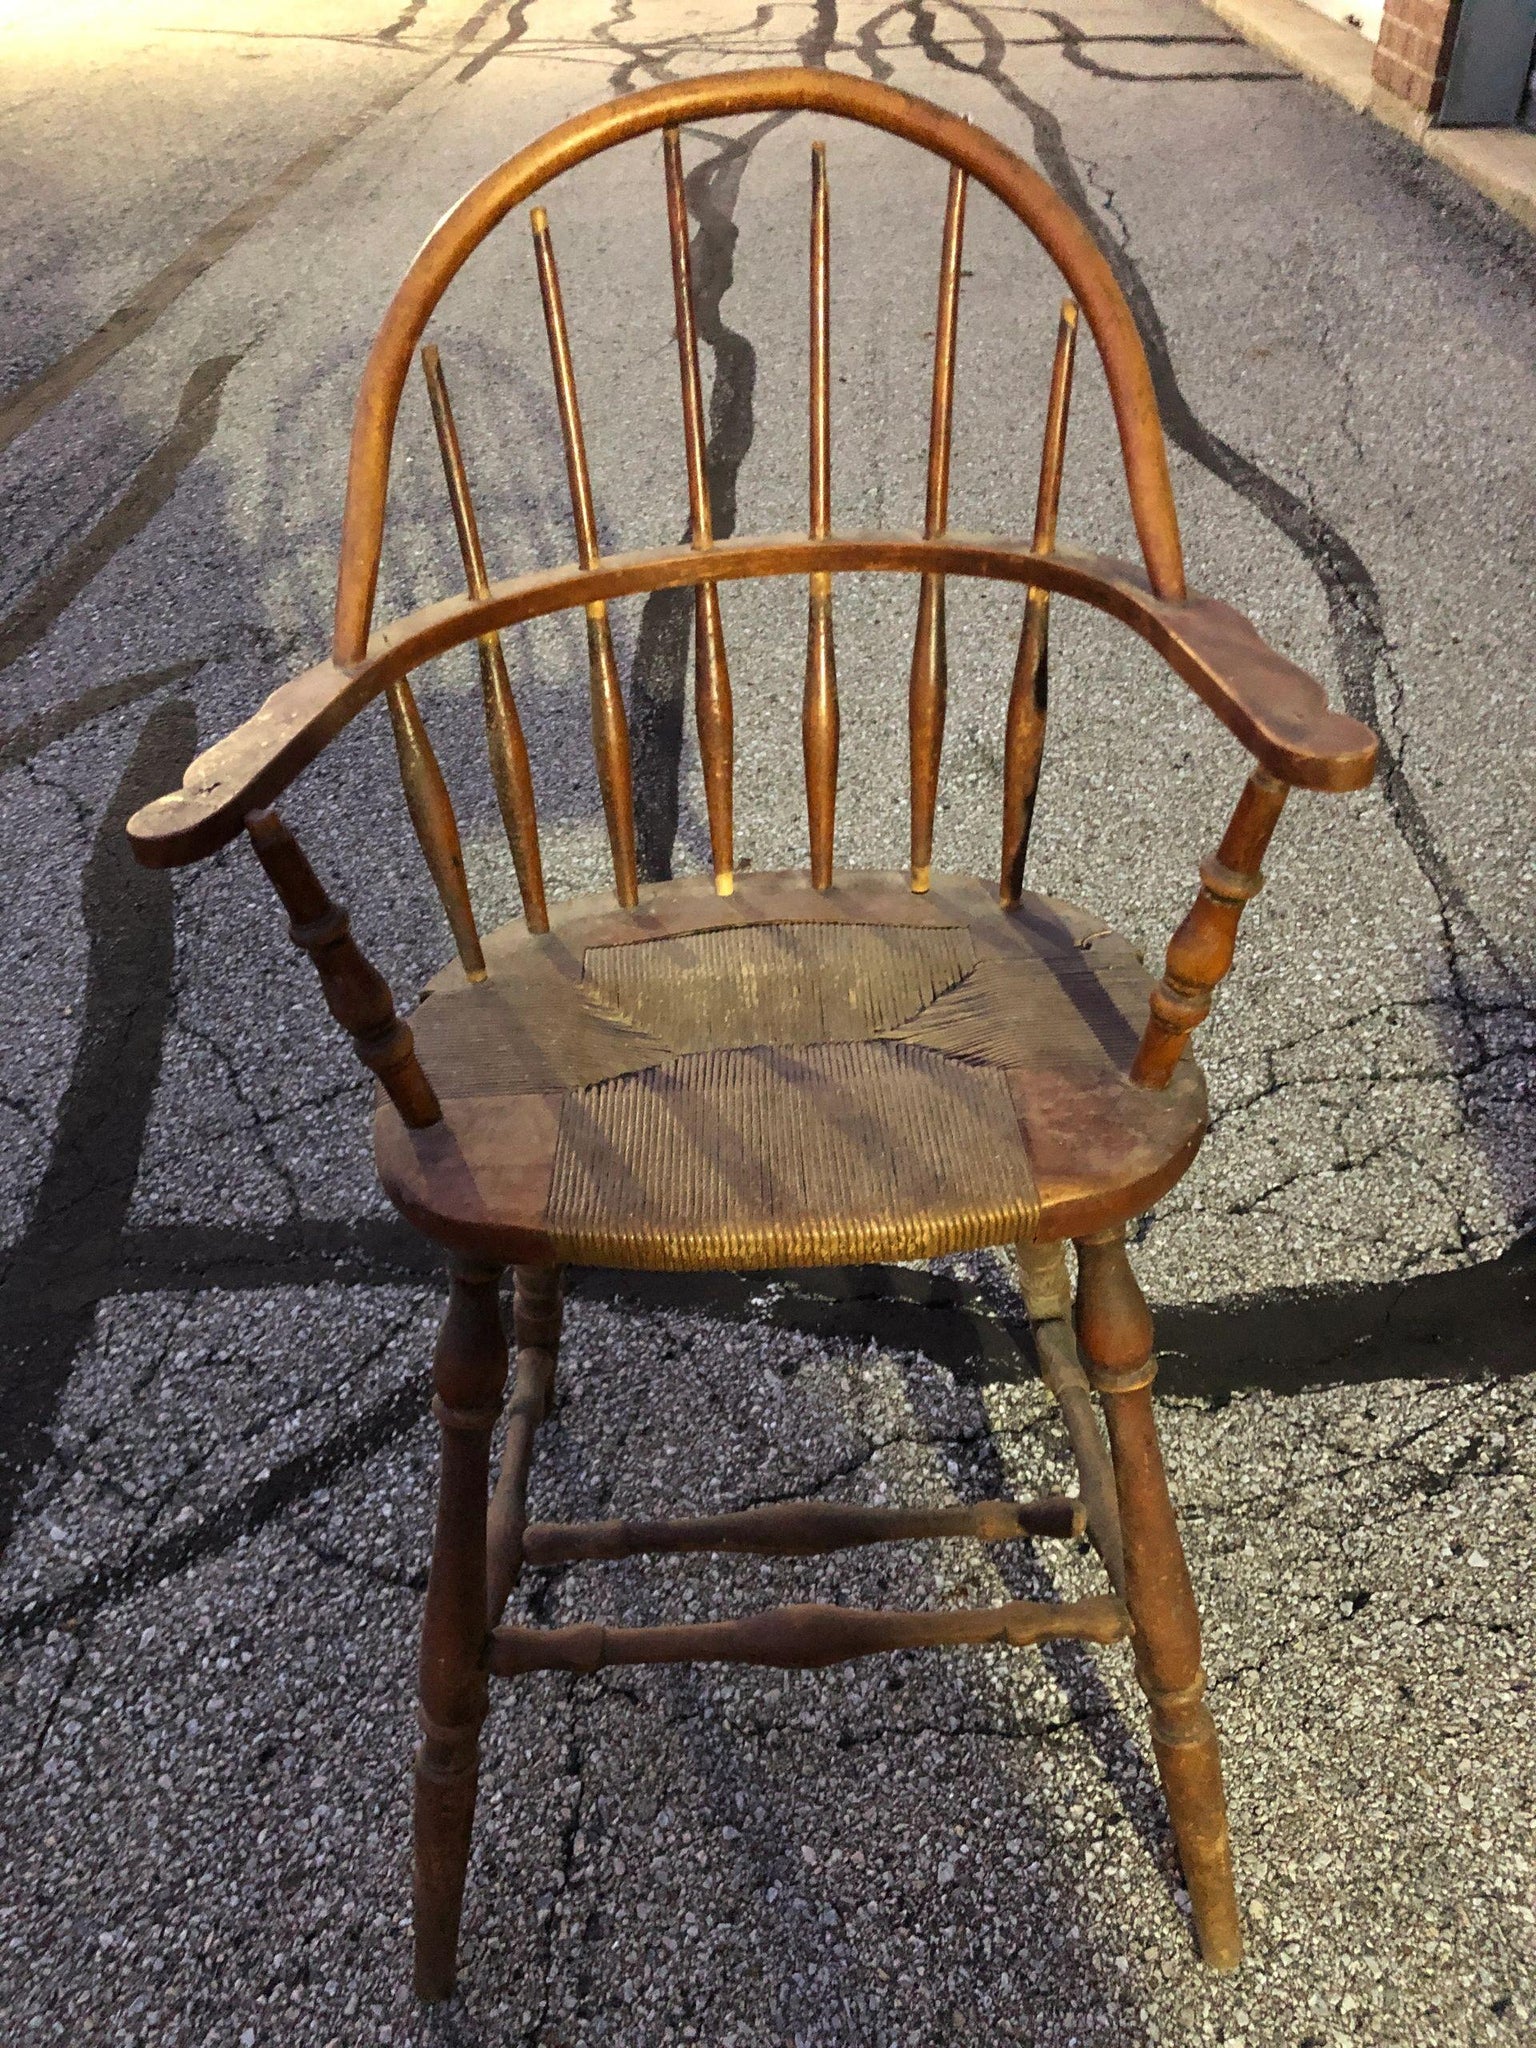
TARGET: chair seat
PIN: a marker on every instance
(787, 1077)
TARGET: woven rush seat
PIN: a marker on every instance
(787, 1076)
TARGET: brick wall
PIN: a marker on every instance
(1413, 52)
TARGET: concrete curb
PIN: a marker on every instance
(1499, 162)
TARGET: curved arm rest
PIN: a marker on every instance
(1278, 712)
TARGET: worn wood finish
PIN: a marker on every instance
(928, 688)
(1115, 1332)
(468, 1375)
(803, 1638)
(1047, 1292)
(1024, 743)
(674, 105)
(355, 992)
(437, 829)
(793, 1069)
(537, 1303)
(801, 1528)
(510, 771)
(1201, 950)
(820, 723)
(693, 1085)
(1272, 707)
(712, 680)
(610, 725)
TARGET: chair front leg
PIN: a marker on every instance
(469, 1375)
(1115, 1333)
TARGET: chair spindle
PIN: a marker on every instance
(1200, 951)
(437, 830)
(610, 727)
(819, 722)
(355, 992)
(503, 728)
(929, 689)
(712, 681)
(1025, 742)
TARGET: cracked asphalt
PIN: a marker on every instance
(214, 1459)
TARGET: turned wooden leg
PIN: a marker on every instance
(469, 1374)
(1115, 1333)
(1047, 1295)
(537, 1304)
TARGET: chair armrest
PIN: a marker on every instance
(1278, 712)
(249, 768)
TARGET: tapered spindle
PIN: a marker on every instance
(355, 992)
(610, 727)
(503, 729)
(819, 721)
(929, 690)
(1025, 743)
(437, 830)
(1201, 950)
(712, 681)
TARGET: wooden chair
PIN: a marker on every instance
(777, 1069)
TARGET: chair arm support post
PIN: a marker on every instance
(1201, 950)
(356, 994)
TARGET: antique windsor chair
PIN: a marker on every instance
(775, 1069)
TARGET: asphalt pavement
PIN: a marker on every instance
(214, 1455)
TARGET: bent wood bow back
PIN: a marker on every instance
(1022, 189)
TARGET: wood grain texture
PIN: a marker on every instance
(712, 680)
(803, 1638)
(610, 724)
(677, 104)
(928, 686)
(1272, 707)
(538, 1300)
(1115, 1332)
(820, 718)
(1028, 700)
(1047, 1000)
(468, 1373)
(510, 770)
(1201, 951)
(436, 827)
(801, 1528)
(1047, 1291)
(355, 992)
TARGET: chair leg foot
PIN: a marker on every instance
(446, 1780)
(1190, 1768)
(1115, 1334)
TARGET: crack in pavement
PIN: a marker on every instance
(1355, 610)
(1461, 1324)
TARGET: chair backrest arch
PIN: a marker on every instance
(1020, 187)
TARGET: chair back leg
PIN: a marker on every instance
(1115, 1333)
